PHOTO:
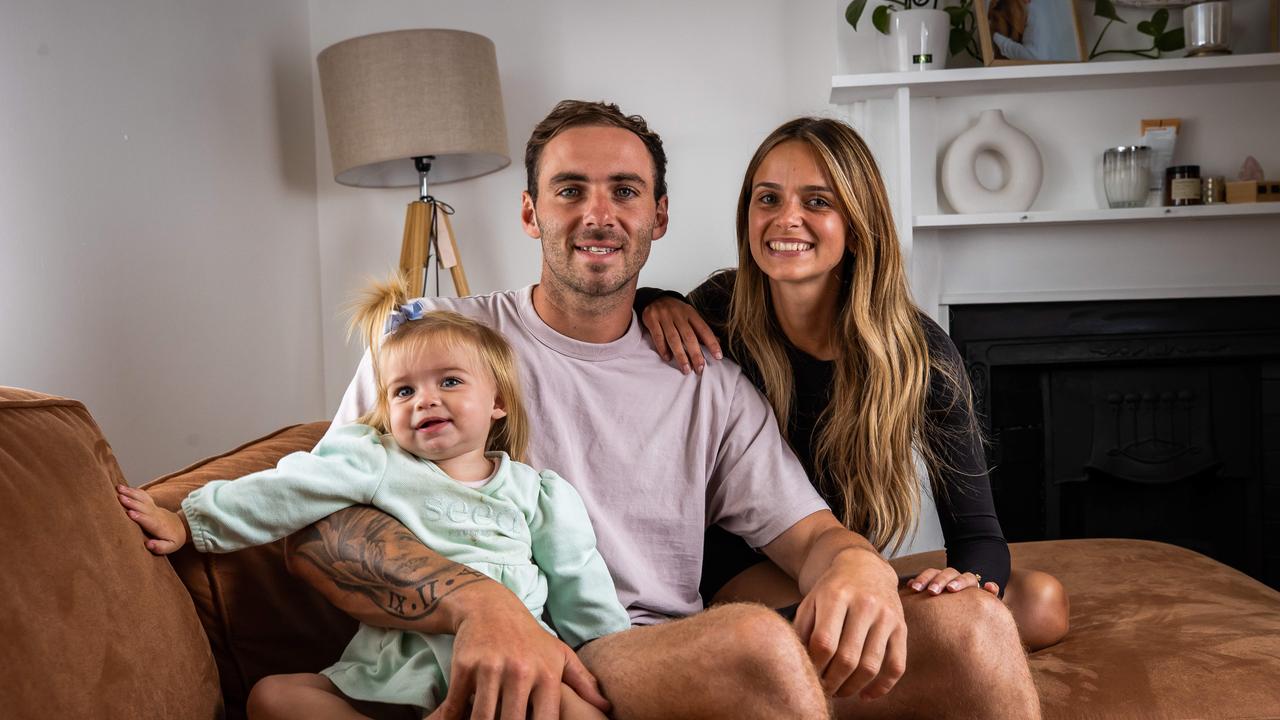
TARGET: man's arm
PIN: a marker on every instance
(374, 569)
(851, 617)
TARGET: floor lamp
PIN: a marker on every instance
(415, 108)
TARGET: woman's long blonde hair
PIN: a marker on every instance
(434, 331)
(876, 413)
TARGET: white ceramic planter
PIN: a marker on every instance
(918, 39)
(1024, 168)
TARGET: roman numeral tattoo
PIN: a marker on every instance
(367, 552)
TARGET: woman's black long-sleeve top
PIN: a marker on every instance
(966, 510)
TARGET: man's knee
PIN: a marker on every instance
(964, 626)
(758, 639)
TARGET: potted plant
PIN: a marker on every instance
(922, 34)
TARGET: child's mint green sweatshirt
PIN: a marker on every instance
(524, 528)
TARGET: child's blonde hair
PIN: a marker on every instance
(434, 331)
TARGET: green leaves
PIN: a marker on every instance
(853, 12)
(1107, 9)
(1162, 40)
(1171, 40)
(880, 18)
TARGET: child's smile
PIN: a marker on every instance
(441, 406)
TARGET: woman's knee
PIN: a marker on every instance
(1040, 606)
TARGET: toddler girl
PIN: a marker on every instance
(439, 453)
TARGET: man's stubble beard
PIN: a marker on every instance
(597, 292)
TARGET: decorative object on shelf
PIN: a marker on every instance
(404, 104)
(1250, 186)
(1024, 169)
(1126, 175)
(1161, 135)
(1162, 40)
(960, 33)
(1182, 185)
(918, 39)
(1207, 28)
(1213, 190)
(1014, 32)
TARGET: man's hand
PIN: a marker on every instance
(503, 659)
(376, 570)
(851, 621)
(851, 617)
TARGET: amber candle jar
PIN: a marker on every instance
(1182, 185)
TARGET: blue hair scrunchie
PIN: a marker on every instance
(402, 315)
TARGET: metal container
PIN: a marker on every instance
(1213, 190)
(1207, 27)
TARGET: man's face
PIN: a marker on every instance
(596, 214)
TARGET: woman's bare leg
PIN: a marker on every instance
(1040, 607)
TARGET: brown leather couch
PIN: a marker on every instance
(93, 626)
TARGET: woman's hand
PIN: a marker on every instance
(167, 529)
(934, 581)
(679, 331)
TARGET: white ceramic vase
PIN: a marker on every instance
(1024, 170)
(919, 39)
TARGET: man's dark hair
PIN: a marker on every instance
(578, 113)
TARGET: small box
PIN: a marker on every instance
(1242, 191)
(1269, 191)
(1248, 191)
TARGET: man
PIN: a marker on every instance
(655, 455)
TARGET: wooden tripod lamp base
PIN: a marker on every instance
(419, 245)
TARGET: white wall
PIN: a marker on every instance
(158, 220)
(712, 77)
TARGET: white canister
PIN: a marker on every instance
(919, 39)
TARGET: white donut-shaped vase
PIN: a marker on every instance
(1021, 157)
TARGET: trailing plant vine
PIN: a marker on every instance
(1162, 40)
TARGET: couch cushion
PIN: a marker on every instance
(259, 618)
(1156, 631)
(93, 625)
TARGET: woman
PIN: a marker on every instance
(819, 316)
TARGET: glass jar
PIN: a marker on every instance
(1126, 173)
(1182, 185)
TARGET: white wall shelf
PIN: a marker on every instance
(1093, 215)
(1058, 77)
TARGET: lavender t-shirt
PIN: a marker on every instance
(657, 456)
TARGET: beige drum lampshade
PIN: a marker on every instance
(394, 96)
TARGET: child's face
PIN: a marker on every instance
(441, 403)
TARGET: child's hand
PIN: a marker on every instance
(167, 530)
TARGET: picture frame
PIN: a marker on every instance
(1022, 32)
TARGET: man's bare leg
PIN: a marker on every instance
(964, 656)
(964, 660)
(738, 660)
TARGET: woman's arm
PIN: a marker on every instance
(962, 490)
(681, 326)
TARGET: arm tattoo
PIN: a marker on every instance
(367, 552)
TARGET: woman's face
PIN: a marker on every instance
(796, 233)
